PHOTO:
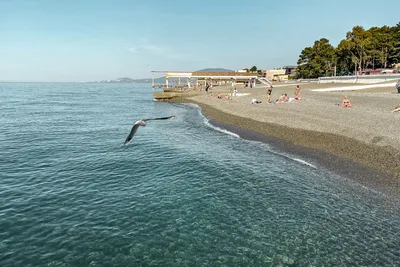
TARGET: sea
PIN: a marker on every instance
(182, 193)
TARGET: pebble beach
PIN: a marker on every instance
(362, 142)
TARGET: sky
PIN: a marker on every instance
(74, 40)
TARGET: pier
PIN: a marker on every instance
(187, 83)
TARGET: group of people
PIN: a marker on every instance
(226, 97)
(347, 104)
(284, 98)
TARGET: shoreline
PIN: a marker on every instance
(372, 166)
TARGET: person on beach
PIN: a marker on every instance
(255, 101)
(234, 91)
(398, 87)
(283, 99)
(209, 89)
(397, 108)
(207, 86)
(297, 92)
(269, 92)
(279, 100)
(346, 102)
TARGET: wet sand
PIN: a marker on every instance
(362, 143)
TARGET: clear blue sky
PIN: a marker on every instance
(76, 40)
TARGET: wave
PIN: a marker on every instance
(208, 124)
(284, 155)
(266, 146)
(303, 162)
(207, 121)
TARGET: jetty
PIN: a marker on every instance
(190, 83)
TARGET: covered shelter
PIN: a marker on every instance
(213, 77)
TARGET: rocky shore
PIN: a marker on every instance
(361, 142)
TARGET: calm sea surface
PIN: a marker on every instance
(183, 193)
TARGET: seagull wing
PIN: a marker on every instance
(142, 122)
(161, 118)
(132, 133)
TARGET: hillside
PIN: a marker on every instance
(160, 80)
(214, 70)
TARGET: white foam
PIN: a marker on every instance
(207, 123)
(303, 162)
(191, 105)
(355, 87)
(220, 129)
(289, 157)
(265, 146)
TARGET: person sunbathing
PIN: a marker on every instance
(283, 99)
(346, 102)
(255, 101)
(397, 108)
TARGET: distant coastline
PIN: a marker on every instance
(123, 80)
(159, 80)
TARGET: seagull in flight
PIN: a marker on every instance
(142, 122)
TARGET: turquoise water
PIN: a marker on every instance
(183, 193)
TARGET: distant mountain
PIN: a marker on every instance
(124, 80)
(214, 70)
(160, 80)
(148, 80)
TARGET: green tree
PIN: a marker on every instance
(316, 61)
(378, 47)
(345, 60)
(381, 46)
(254, 68)
(357, 43)
(394, 54)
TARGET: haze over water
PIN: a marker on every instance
(183, 193)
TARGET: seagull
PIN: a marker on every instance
(142, 122)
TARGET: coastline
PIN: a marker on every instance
(374, 165)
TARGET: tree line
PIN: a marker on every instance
(378, 47)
